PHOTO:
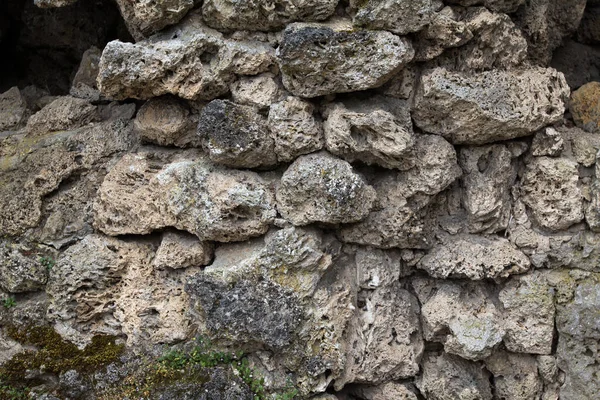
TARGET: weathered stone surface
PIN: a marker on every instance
(579, 341)
(400, 217)
(592, 211)
(503, 6)
(321, 188)
(585, 107)
(448, 377)
(295, 129)
(529, 314)
(167, 121)
(377, 267)
(21, 267)
(445, 30)
(182, 250)
(515, 376)
(144, 18)
(190, 61)
(319, 59)
(397, 16)
(550, 188)
(474, 257)
(13, 109)
(375, 131)
(235, 135)
(53, 3)
(259, 91)
(495, 43)
(490, 106)
(548, 142)
(186, 193)
(385, 391)
(64, 113)
(546, 23)
(461, 316)
(84, 85)
(488, 176)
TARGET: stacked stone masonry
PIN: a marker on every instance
(368, 199)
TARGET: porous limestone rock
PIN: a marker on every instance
(167, 121)
(579, 340)
(529, 314)
(145, 18)
(474, 257)
(256, 15)
(377, 267)
(182, 250)
(64, 113)
(53, 3)
(13, 109)
(490, 106)
(189, 60)
(397, 16)
(319, 59)
(400, 217)
(496, 43)
(548, 142)
(385, 391)
(321, 188)
(21, 266)
(462, 316)
(448, 377)
(377, 130)
(295, 128)
(445, 30)
(592, 211)
(84, 85)
(259, 91)
(585, 107)
(501, 6)
(235, 135)
(185, 192)
(515, 376)
(488, 177)
(550, 188)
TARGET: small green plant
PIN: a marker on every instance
(47, 262)
(9, 302)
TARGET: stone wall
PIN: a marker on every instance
(276, 199)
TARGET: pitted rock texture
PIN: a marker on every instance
(146, 18)
(319, 59)
(397, 16)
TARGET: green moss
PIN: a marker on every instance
(10, 392)
(56, 355)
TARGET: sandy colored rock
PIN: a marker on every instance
(182, 250)
(64, 113)
(550, 188)
(255, 15)
(319, 59)
(13, 109)
(448, 377)
(144, 18)
(488, 177)
(490, 106)
(321, 188)
(235, 135)
(84, 84)
(445, 30)
(375, 131)
(167, 121)
(389, 390)
(548, 142)
(259, 91)
(186, 193)
(474, 257)
(190, 61)
(377, 267)
(397, 16)
(400, 217)
(515, 376)
(585, 107)
(295, 128)
(529, 314)
(462, 316)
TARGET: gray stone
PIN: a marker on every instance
(321, 188)
(235, 135)
(550, 188)
(502, 6)
(548, 142)
(64, 113)
(295, 129)
(53, 3)
(340, 60)
(182, 250)
(260, 16)
(448, 377)
(24, 267)
(385, 391)
(258, 91)
(13, 109)
(579, 63)
(84, 83)
(515, 376)
(377, 130)
(144, 18)
(490, 106)
(445, 30)
(397, 16)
